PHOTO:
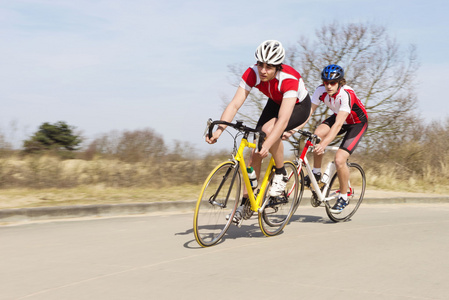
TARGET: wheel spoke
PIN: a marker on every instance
(278, 211)
(357, 184)
(218, 200)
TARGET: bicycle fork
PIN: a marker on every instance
(212, 198)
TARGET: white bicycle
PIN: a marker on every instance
(326, 193)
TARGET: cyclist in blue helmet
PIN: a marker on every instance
(349, 117)
(333, 72)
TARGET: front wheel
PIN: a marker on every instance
(279, 210)
(356, 191)
(216, 204)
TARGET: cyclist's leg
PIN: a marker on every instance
(279, 181)
(354, 134)
(300, 115)
(277, 149)
(298, 118)
(342, 169)
(322, 131)
(255, 161)
(270, 111)
(265, 123)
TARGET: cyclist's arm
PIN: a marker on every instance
(339, 121)
(314, 107)
(229, 113)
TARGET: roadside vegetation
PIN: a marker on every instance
(417, 160)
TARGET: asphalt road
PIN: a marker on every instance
(387, 251)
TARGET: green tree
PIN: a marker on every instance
(56, 137)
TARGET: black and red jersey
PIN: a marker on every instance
(344, 100)
(286, 84)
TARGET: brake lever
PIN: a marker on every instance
(259, 141)
(256, 141)
(209, 122)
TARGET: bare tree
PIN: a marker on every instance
(182, 150)
(382, 75)
(5, 146)
(130, 146)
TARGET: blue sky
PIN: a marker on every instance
(103, 65)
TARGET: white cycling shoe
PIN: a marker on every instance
(278, 185)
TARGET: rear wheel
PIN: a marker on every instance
(216, 204)
(279, 210)
(356, 191)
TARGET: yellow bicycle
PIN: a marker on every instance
(223, 190)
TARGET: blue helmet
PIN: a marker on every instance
(332, 72)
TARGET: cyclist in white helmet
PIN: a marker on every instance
(288, 107)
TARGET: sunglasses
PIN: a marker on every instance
(261, 64)
(325, 82)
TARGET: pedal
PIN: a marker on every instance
(239, 223)
(273, 201)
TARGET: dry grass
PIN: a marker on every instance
(88, 195)
(51, 181)
(52, 172)
(389, 181)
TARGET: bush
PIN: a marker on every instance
(57, 138)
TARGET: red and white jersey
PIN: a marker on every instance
(286, 84)
(344, 100)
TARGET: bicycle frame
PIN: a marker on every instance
(303, 161)
(255, 201)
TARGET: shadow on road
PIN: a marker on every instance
(251, 230)
(310, 219)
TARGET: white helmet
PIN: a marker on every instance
(270, 52)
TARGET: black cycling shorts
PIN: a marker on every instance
(354, 133)
(300, 113)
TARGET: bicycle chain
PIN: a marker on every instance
(314, 200)
(247, 211)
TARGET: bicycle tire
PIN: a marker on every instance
(219, 197)
(357, 185)
(278, 211)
